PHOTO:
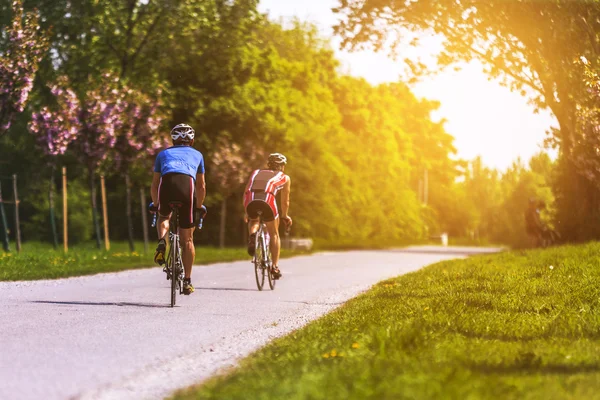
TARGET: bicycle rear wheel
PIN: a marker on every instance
(259, 267)
(272, 280)
(174, 268)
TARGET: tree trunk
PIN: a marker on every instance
(129, 220)
(4, 224)
(95, 209)
(144, 219)
(51, 201)
(223, 220)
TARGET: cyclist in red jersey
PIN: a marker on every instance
(262, 187)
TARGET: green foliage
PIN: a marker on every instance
(38, 228)
(289, 98)
(356, 151)
(514, 325)
(499, 201)
(516, 41)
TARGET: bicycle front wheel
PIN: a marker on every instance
(259, 267)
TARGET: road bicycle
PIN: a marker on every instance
(174, 262)
(548, 237)
(263, 264)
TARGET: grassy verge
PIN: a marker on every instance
(520, 325)
(40, 261)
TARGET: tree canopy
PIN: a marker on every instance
(368, 162)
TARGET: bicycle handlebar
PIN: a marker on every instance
(202, 210)
(152, 209)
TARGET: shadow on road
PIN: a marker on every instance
(224, 288)
(91, 303)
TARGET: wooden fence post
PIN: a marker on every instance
(128, 212)
(51, 189)
(5, 241)
(17, 221)
(144, 219)
(104, 213)
(65, 225)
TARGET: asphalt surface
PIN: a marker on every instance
(114, 336)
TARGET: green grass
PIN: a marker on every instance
(40, 261)
(519, 325)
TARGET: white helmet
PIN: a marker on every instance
(182, 131)
(276, 160)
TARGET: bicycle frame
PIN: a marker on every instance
(262, 266)
(174, 261)
(262, 232)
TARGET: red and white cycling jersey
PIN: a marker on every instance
(264, 185)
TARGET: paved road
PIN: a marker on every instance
(112, 336)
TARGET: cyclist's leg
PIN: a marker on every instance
(272, 222)
(273, 229)
(185, 194)
(253, 224)
(188, 251)
(162, 226)
(252, 210)
(164, 212)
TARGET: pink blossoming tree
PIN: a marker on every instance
(19, 63)
(109, 121)
(89, 124)
(54, 131)
(138, 141)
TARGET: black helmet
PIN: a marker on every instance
(276, 160)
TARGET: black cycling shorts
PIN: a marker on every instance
(181, 188)
(255, 206)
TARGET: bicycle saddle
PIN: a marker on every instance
(175, 204)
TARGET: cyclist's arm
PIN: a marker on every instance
(154, 187)
(285, 198)
(200, 189)
(246, 191)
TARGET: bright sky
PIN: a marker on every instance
(485, 118)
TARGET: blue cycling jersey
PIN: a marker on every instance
(179, 160)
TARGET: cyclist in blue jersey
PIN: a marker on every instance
(179, 176)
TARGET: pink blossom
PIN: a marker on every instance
(19, 63)
(140, 120)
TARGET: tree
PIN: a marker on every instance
(229, 164)
(99, 117)
(54, 132)
(137, 140)
(20, 57)
(518, 42)
(95, 117)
